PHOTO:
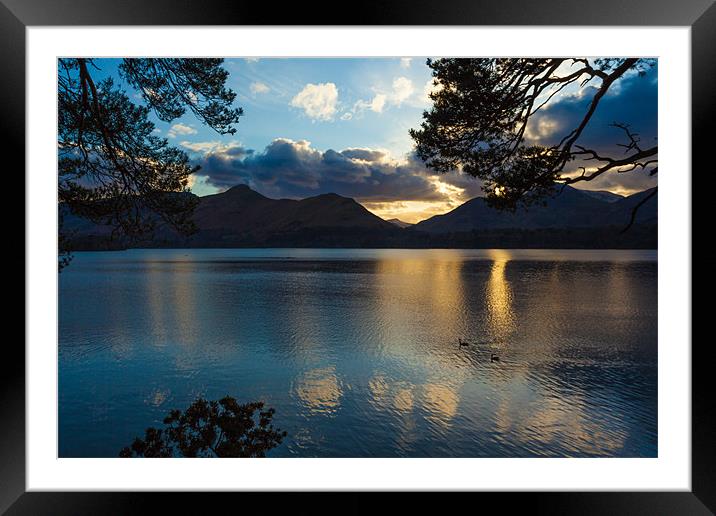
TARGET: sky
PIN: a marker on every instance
(314, 126)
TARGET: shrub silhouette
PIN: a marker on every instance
(223, 428)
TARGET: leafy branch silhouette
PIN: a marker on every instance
(223, 428)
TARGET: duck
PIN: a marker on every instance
(494, 358)
(462, 343)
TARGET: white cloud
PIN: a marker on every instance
(376, 104)
(540, 128)
(347, 115)
(180, 128)
(252, 59)
(405, 62)
(402, 90)
(258, 88)
(199, 146)
(199, 185)
(213, 146)
(318, 101)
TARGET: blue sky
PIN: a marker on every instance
(313, 126)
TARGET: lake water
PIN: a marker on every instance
(357, 350)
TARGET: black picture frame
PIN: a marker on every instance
(700, 15)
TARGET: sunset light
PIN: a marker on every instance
(356, 258)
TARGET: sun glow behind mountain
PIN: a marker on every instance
(414, 211)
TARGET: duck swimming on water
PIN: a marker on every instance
(494, 358)
(462, 343)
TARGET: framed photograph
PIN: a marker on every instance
(422, 249)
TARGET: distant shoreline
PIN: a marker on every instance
(609, 237)
(149, 248)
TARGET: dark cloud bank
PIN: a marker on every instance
(294, 169)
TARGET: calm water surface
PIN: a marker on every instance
(357, 349)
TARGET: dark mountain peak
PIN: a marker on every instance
(603, 195)
(240, 188)
(400, 223)
(331, 209)
(568, 207)
(642, 194)
(638, 197)
(328, 197)
(243, 191)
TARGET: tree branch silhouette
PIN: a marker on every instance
(223, 428)
(636, 209)
(480, 114)
(113, 168)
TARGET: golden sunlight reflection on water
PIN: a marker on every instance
(358, 349)
(498, 298)
(319, 390)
